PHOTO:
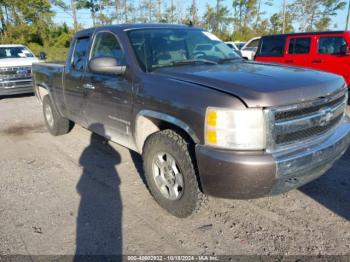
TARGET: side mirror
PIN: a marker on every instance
(345, 50)
(106, 65)
(42, 56)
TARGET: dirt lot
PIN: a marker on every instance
(78, 194)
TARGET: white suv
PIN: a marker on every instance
(15, 69)
(249, 49)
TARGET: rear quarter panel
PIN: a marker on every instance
(49, 76)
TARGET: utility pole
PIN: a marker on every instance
(172, 11)
(194, 12)
(125, 11)
(284, 16)
(217, 16)
(159, 10)
(347, 26)
(74, 14)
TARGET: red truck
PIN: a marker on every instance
(326, 51)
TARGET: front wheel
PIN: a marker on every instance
(170, 173)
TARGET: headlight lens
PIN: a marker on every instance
(236, 129)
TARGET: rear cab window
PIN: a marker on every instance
(330, 45)
(79, 57)
(300, 45)
(272, 46)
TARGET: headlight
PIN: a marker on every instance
(235, 129)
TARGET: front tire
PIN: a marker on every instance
(171, 174)
(55, 123)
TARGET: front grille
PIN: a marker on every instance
(14, 73)
(305, 121)
(307, 110)
(302, 134)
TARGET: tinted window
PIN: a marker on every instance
(80, 53)
(299, 46)
(330, 45)
(107, 45)
(272, 46)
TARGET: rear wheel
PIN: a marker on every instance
(55, 123)
(171, 174)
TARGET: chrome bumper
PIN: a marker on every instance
(298, 168)
(13, 87)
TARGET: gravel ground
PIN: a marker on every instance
(77, 194)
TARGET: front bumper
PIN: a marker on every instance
(16, 87)
(245, 175)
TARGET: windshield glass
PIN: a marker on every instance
(15, 52)
(155, 48)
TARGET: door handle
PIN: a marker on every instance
(89, 86)
(316, 61)
(289, 61)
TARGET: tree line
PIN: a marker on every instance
(31, 22)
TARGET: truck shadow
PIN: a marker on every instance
(16, 96)
(332, 190)
(99, 219)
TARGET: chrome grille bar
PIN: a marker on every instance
(11, 73)
(305, 122)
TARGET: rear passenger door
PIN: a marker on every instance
(329, 57)
(299, 51)
(74, 93)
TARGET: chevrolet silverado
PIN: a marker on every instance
(205, 121)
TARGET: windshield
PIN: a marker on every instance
(15, 52)
(155, 48)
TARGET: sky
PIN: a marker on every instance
(84, 17)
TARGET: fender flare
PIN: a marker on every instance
(151, 114)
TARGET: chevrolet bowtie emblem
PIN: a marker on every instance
(328, 115)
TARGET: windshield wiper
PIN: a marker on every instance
(187, 62)
(223, 60)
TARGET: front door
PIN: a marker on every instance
(108, 96)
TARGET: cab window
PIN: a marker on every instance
(106, 45)
(80, 53)
(331, 45)
(272, 46)
(299, 45)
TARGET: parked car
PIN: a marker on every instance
(208, 123)
(239, 44)
(233, 46)
(249, 49)
(327, 51)
(15, 69)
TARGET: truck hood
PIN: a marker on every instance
(11, 62)
(258, 84)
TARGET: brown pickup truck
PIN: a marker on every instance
(204, 120)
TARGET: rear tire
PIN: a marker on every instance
(55, 123)
(171, 174)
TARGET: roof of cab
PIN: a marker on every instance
(135, 26)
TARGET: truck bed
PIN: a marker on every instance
(48, 76)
